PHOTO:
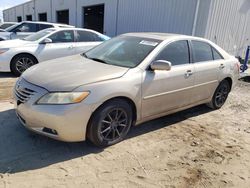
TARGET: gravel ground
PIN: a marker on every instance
(193, 148)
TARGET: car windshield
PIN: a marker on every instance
(9, 29)
(124, 51)
(5, 25)
(39, 35)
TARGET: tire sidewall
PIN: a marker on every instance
(14, 61)
(100, 114)
(223, 83)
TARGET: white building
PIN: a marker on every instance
(226, 22)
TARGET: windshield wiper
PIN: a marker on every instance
(94, 59)
(98, 60)
(84, 55)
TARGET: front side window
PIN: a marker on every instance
(124, 51)
(25, 27)
(62, 37)
(177, 53)
(201, 51)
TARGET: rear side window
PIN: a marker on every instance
(62, 37)
(44, 26)
(201, 51)
(216, 54)
(86, 36)
(177, 53)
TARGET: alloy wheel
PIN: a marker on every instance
(221, 95)
(113, 125)
(23, 64)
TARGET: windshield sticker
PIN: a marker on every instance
(149, 43)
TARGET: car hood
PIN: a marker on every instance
(66, 74)
(14, 43)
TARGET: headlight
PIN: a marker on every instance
(3, 50)
(63, 98)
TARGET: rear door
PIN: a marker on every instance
(86, 40)
(207, 63)
(63, 44)
(167, 90)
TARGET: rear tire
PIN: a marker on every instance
(21, 63)
(220, 95)
(110, 123)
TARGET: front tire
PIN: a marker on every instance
(110, 123)
(220, 95)
(21, 63)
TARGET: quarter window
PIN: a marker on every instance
(216, 54)
(177, 53)
(201, 51)
(62, 37)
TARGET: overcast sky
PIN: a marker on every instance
(9, 3)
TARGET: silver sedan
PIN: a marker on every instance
(125, 81)
(20, 54)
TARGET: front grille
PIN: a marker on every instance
(23, 94)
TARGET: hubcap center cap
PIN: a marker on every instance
(114, 124)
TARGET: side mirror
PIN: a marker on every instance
(46, 41)
(161, 65)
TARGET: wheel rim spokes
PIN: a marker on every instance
(114, 124)
(221, 95)
(23, 64)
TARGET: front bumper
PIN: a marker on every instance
(61, 122)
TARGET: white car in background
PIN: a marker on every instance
(26, 28)
(18, 55)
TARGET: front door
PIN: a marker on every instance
(163, 91)
(63, 44)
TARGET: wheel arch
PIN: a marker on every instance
(127, 99)
(23, 53)
(230, 81)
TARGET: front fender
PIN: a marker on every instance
(128, 86)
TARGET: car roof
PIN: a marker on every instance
(54, 24)
(70, 28)
(73, 28)
(153, 35)
(162, 36)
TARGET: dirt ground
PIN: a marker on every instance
(194, 148)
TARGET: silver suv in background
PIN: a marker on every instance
(125, 81)
(26, 28)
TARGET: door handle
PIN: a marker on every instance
(71, 47)
(188, 73)
(222, 66)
